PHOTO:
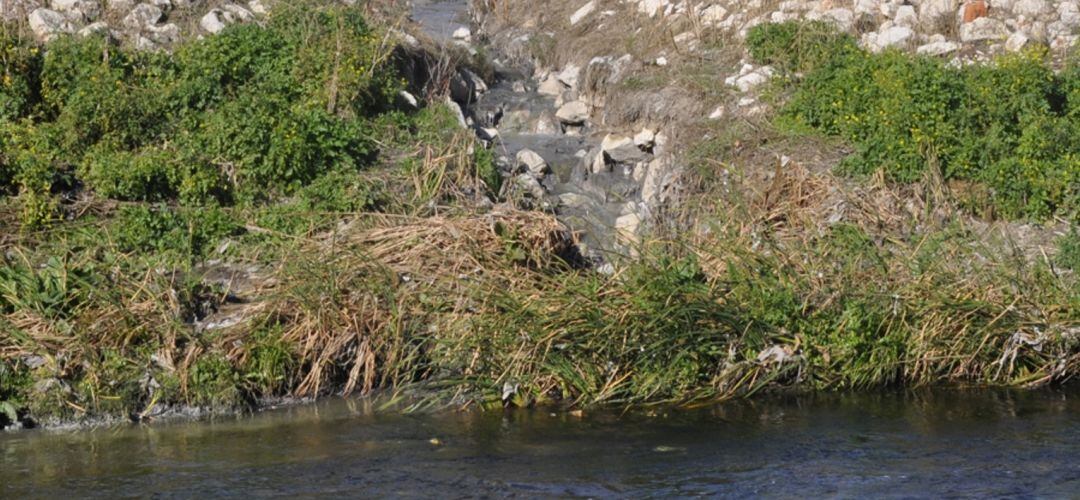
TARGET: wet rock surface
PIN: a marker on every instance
(549, 148)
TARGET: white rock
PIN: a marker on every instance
(258, 7)
(983, 28)
(645, 139)
(143, 15)
(167, 34)
(906, 16)
(931, 12)
(1016, 42)
(119, 6)
(78, 10)
(239, 13)
(657, 178)
(94, 29)
(1069, 14)
(487, 134)
(573, 113)
(713, 15)
(569, 75)
(867, 7)
(843, 19)
(462, 33)
(751, 80)
(628, 226)
(652, 7)
(533, 163)
(896, 36)
(551, 87)
(164, 5)
(938, 48)
(581, 13)
(529, 185)
(1031, 8)
(215, 21)
(409, 99)
(46, 24)
(620, 149)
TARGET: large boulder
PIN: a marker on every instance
(47, 24)
(573, 113)
(143, 15)
(1032, 9)
(620, 149)
(78, 11)
(896, 36)
(532, 163)
(983, 29)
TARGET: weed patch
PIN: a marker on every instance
(1009, 126)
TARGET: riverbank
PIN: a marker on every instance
(303, 226)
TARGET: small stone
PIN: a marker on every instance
(645, 139)
(581, 13)
(409, 99)
(462, 33)
(214, 21)
(939, 48)
(257, 7)
(713, 15)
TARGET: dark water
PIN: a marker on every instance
(984, 444)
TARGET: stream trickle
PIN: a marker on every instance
(590, 203)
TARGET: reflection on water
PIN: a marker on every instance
(939, 443)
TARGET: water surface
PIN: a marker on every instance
(979, 444)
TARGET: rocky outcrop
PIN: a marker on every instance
(150, 25)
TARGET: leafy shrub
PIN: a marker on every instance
(187, 233)
(246, 116)
(20, 67)
(1068, 255)
(797, 47)
(1010, 126)
(53, 289)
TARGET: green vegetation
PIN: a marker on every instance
(250, 217)
(1003, 135)
(248, 116)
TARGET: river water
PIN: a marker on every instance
(942, 443)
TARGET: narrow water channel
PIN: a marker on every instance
(926, 444)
